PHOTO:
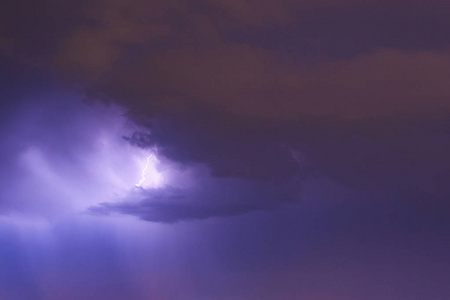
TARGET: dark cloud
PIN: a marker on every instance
(225, 93)
(174, 212)
(248, 83)
(392, 155)
(255, 151)
(208, 198)
(409, 154)
(31, 32)
(235, 103)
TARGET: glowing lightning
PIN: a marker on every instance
(144, 171)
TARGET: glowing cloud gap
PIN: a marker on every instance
(144, 171)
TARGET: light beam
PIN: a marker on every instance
(144, 171)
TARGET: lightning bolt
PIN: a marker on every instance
(144, 170)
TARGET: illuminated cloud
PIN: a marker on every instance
(71, 156)
(150, 177)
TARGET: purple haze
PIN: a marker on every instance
(197, 150)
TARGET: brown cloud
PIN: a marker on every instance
(192, 59)
(249, 82)
(171, 54)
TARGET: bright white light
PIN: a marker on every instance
(149, 175)
(144, 170)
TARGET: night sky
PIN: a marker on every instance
(225, 150)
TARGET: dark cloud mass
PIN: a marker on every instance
(224, 149)
(211, 198)
(170, 213)
(207, 62)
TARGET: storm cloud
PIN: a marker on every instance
(216, 149)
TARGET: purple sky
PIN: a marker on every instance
(190, 150)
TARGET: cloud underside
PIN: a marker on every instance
(216, 198)
(172, 213)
